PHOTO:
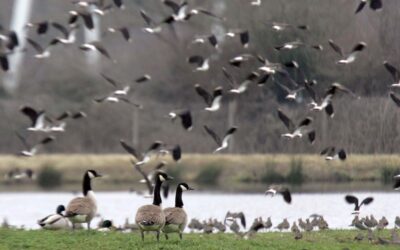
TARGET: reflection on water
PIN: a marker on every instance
(25, 208)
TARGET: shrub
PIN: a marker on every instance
(296, 176)
(209, 175)
(271, 176)
(341, 177)
(49, 178)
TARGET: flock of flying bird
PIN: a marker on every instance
(173, 220)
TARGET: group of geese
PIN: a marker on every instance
(151, 217)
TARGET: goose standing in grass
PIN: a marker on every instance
(151, 217)
(354, 200)
(176, 217)
(55, 221)
(83, 209)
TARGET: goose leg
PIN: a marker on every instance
(142, 234)
(180, 235)
(88, 225)
(73, 226)
(166, 236)
(158, 236)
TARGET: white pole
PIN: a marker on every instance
(20, 16)
(93, 57)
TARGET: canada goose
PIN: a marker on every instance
(176, 217)
(185, 116)
(83, 209)
(31, 150)
(300, 130)
(106, 226)
(332, 154)
(151, 28)
(224, 143)
(213, 101)
(351, 57)
(151, 217)
(395, 74)
(55, 221)
(375, 5)
(202, 64)
(284, 191)
(354, 200)
(145, 157)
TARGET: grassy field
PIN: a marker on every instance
(222, 170)
(328, 240)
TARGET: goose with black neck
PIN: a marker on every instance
(151, 217)
(176, 217)
(83, 209)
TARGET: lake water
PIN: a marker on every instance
(25, 208)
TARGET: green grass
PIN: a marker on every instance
(327, 240)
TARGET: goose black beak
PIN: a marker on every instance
(190, 188)
(99, 176)
(170, 177)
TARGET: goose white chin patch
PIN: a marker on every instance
(91, 175)
(183, 187)
(161, 178)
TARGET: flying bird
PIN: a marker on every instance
(284, 191)
(213, 101)
(185, 116)
(211, 39)
(233, 216)
(142, 158)
(297, 131)
(331, 154)
(96, 46)
(395, 99)
(41, 52)
(31, 150)
(241, 88)
(124, 31)
(224, 143)
(151, 27)
(375, 5)
(394, 72)
(244, 37)
(354, 200)
(351, 57)
(202, 64)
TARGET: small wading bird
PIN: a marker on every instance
(354, 200)
(300, 130)
(351, 57)
(224, 143)
(284, 191)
